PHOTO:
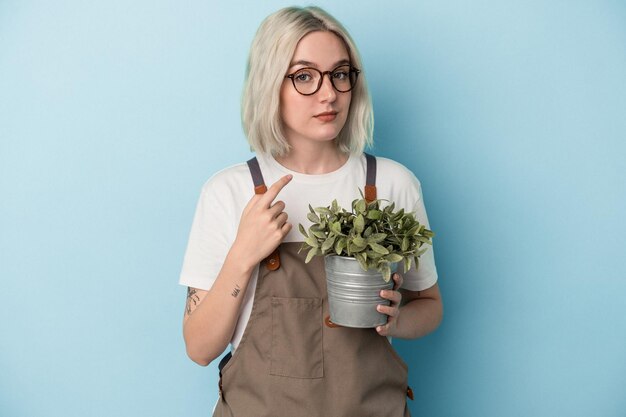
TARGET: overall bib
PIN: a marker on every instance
(293, 362)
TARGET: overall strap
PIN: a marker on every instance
(272, 262)
(370, 179)
(257, 177)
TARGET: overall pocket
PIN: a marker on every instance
(297, 338)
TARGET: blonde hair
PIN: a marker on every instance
(270, 56)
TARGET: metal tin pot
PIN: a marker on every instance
(353, 293)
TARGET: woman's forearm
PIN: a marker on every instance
(418, 318)
(209, 327)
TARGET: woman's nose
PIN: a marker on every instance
(327, 91)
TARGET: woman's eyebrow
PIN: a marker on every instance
(311, 64)
(302, 62)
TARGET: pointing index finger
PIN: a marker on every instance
(273, 191)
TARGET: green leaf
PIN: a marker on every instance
(354, 248)
(323, 210)
(311, 242)
(340, 244)
(407, 264)
(386, 271)
(389, 208)
(376, 237)
(359, 241)
(328, 243)
(405, 244)
(413, 230)
(360, 206)
(335, 207)
(374, 255)
(398, 214)
(335, 227)
(374, 214)
(302, 230)
(303, 246)
(378, 248)
(361, 258)
(313, 217)
(311, 254)
(359, 224)
(394, 257)
(318, 234)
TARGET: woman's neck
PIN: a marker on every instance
(313, 161)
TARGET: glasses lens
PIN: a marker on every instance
(306, 80)
(343, 78)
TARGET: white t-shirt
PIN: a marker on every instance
(225, 195)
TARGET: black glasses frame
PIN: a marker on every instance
(352, 70)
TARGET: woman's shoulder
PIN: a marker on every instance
(395, 182)
(227, 180)
(391, 170)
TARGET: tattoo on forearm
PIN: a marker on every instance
(192, 297)
(236, 291)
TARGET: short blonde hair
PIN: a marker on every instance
(270, 56)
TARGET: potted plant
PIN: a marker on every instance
(361, 250)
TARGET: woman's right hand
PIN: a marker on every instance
(263, 224)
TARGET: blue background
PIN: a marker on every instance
(511, 113)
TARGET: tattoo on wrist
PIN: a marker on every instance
(192, 297)
(236, 291)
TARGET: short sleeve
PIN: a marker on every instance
(210, 239)
(425, 276)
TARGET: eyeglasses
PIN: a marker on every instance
(308, 81)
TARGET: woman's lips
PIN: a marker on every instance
(327, 116)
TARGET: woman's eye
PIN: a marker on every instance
(340, 75)
(303, 77)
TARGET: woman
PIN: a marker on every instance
(307, 114)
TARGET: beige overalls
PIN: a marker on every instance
(293, 362)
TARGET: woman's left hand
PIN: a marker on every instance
(393, 310)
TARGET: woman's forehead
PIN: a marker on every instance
(320, 49)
